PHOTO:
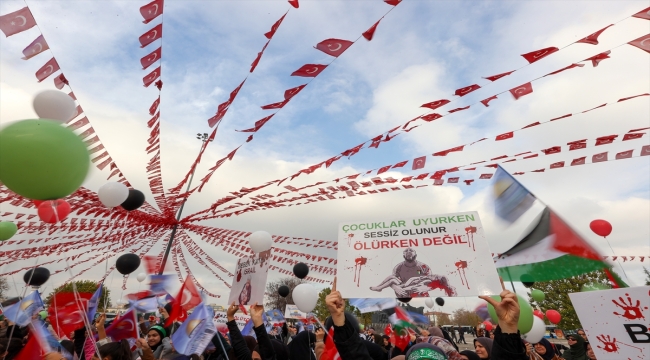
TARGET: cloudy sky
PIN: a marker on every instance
(422, 51)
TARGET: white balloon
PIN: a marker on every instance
(113, 194)
(537, 332)
(305, 297)
(54, 105)
(260, 241)
(429, 303)
(141, 277)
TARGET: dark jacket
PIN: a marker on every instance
(264, 343)
(238, 343)
(349, 343)
(507, 346)
(374, 350)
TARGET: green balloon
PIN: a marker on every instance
(42, 160)
(525, 314)
(7, 230)
(43, 314)
(538, 295)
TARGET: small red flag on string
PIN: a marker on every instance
(645, 150)
(522, 90)
(149, 79)
(498, 76)
(534, 56)
(334, 47)
(466, 90)
(624, 155)
(151, 36)
(393, 2)
(593, 38)
(294, 3)
(154, 106)
(151, 58)
(60, 81)
(487, 101)
(418, 163)
(642, 43)
(599, 157)
(508, 135)
(36, 47)
(368, 34)
(309, 70)
(632, 97)
(274, 28)
(459, 109)
(152, 10)
(565, 68)
(259, 57)
(435, 104)
(598, 58)
(48, 69)
(17, 22)
(578, 161)
(643, 14)
(289, 93)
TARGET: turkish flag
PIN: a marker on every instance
(446, 152)
(496, 158)
(149, 79)
(499, 76)
(468, 182)
(632, 136)
(466, 90)
(60, 81)
(309, 70)
(533, 56)
(452, 180)
(599, 157)
(557, 165)
(632, 97)
(294, 3)
(36, 47)
(599, 106)
(552, 150)
(71, 94)
(152, 10)
(531, 125)
(643, 14)
(593, 38)
(430, 117)
(368, 34)
(565, 68)
(521, 90)
(598, 58)
(603, 140)
(79, 123)
(578, 144)
(277, 105)
(578, 161)
(624, 155)
(17, 22)
(487, 101)
(640, 129)
(333, 47)
(485, 176)
(275, 27)
(504, 136)
(645, 150)
(418, 163)
(561, 117)
(124, 327)
(66, 313)
(151, 58)
(435, 104)
(539, 170)
(289, 93)
(438, 182)
(151, 36)
(642, 43)
(383, 169)
(459, 109)
(154, 106)
(258, 124)
(48, 69)
(259, 57)
(400, 164)
(393, 2)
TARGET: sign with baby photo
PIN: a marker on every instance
(249, 282)
(426, 256)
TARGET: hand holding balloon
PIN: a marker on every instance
(507, 310)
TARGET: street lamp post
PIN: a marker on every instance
(204, 139)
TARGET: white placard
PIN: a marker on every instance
(437, 255)
(292, 312)
(249, 282)
(221, 318)
(616, 321)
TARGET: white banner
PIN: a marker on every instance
(438, 255)
(616, 321)
(221, 318)
(249, 282)
(292, 312)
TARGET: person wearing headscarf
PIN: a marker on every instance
(301, 346)
(590, 352)
(577, 349)
(469, 355)
(240, 348)
(483, 347)
(545, 350)
(118, 350)
(425, 351)
(280, 350)
(443, 344)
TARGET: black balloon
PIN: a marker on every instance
(284, 290)
(134, 201)
(127, 263)
(37, 276)
(301, 270)
(404, 300)
(440, 301)
(528, 284)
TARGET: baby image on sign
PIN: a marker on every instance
(438, 255)
(249, 282)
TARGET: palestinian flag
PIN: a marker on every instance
(551, 251)
(402, 319)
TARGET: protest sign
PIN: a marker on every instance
(616, 321)
(221, 318)
(292, 312)
(438, 255)
(249, 282)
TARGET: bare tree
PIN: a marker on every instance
(273, 299)
(4, 287)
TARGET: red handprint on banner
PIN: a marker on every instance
(632, 311)
(610, 344)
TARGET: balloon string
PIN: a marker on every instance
(618, 261)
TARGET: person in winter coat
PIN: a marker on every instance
(263, 349)
(301, 346)
(507, 344)
(545, 351)
(483, 347)
(469, 355)
(157, 342)
(577, 349)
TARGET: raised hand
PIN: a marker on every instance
(256, 312)
(232, 309)
(142, 344)
(507, 310)
(336, 305)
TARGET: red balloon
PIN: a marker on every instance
(38, 203)
(601, 227)
(553, 316)
(539, 314)
(53, 211)
(488, 325)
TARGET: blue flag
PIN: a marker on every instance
(21, 312)
(145, 305)
(158, 284)
(511, 199)
(194, 335)
(93, 303)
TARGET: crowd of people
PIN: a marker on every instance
(340, 338)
